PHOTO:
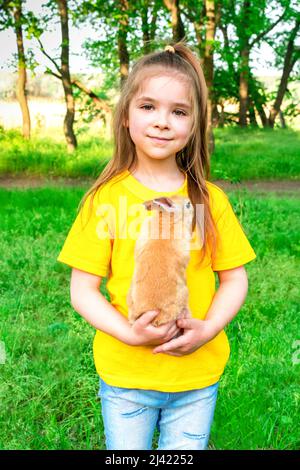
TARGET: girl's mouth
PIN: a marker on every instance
(158, 139)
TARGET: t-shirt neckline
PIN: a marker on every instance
(143, 191)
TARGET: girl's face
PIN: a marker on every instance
(160, 118)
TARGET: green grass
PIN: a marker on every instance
(239, 155)
(245, 154)
(47, 156)
(49, 385)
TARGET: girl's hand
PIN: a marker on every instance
(195, 334)
(145, 334)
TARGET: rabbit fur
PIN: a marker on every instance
(159, 278)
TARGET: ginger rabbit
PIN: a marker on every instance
(162, 253)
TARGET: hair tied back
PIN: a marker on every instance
(169, 48)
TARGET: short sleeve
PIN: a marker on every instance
(88, 246)
(233, 248)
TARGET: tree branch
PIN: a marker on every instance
(188, 14)
(48, 56)
(264, 33)
(49, 72)
(98, 102)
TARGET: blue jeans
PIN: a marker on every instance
(183, 418)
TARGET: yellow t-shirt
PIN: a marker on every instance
(104, 245)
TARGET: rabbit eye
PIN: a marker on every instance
(188, 205)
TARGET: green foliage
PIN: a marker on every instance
(138, 27)
(86, 112)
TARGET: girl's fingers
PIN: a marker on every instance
(187, 313)
(173, 332)
(147, 317)
(166, 327)
(171, 345)
(173, 329)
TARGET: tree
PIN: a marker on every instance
(176, 21)
(38, 25)
(149, 25)
(12, 16)
(123, 7)
(292, 55)
(118, 22)
(252, 24)
(204, 16)
(130, 27)
(212, 13)
(65, 75)
(60, 6)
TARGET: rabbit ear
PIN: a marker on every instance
(161, 203)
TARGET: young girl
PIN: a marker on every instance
(164, 376)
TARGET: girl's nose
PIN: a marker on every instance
(161, 120)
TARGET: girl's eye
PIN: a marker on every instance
(182, 113)
(147, 106)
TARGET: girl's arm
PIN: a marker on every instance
(98, 312)
(229, 297)
(226, 303)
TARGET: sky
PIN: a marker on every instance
(78, 59)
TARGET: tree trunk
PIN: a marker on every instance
(22, 76)
(198, 24)
(243, 88)
(252, 115)
(98, 102)
(122, 41)
(261, 112)
(145, 28)
(244, 65)
(282, 120)
(221, 121)
(227, 50)
(208, 67)
(153, 25)
(66, 79)
(289, 62)
(215, 118)
(148, 27)
(177, 24)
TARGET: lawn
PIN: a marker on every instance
(49, 384)
(240, 154)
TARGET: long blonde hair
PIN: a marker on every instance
(193, 159)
